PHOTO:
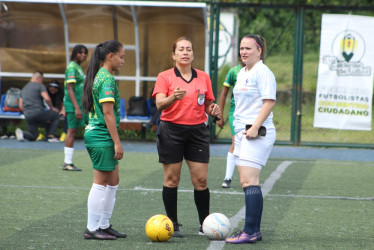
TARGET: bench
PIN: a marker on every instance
(126, 122)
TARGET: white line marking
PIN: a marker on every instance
(266, 188)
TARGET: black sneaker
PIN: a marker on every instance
(97, 235)
(70, 167)
(177, 232)
(113, 232)
(201, 232)
(226, 183)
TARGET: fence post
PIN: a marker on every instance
(297, 75)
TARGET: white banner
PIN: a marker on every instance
(345, 73)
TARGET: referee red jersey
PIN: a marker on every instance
(190, 109)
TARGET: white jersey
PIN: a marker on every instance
(251, 88)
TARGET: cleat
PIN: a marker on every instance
(70, 167)
(226, 183)
(201, 232)
(177, 232)
(63, 137)
(19, 135)
(53, 139)
(242, 237)
(97, 235)
(40, 137)
(113, 232)
(259, 236)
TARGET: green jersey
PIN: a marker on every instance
(74, 74)
(104, 89)
(230, 81)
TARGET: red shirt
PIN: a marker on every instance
(191, 109)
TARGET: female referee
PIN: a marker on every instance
(184, 95)
(254, 95)
(101, 99)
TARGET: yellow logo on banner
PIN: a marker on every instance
(348, 46)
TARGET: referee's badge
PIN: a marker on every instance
(200, 99)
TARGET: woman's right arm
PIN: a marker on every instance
(163, 101)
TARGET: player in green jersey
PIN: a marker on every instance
(74, 80)
(230, 82)
(101, 99)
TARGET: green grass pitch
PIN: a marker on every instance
(315, 204)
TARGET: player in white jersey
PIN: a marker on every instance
(255, 94)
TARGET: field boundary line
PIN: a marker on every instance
(142, 189)
(266, 188)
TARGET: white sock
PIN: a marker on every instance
(230, 166)
(110, 200)
(68, 155)
(95, 204)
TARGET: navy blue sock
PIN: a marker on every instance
(202, 202)
(170, 198)
(253, 209)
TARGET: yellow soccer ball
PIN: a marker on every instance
(159, 228)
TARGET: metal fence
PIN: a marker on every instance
(293, 55)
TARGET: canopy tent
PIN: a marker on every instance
(39, 35)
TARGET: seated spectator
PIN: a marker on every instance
(31, 103)
(155, 114)
(56, 93)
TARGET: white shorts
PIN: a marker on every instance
(254, 152)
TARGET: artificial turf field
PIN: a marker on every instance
(308, 204)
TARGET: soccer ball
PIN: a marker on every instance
(159, 228)
(216, 226)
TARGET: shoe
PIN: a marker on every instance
(40, 137)
(148, 125)
(177, 232)
(4, 137)
(97, 235)
(19, 135)
(63, 137)
(242, 237)
(226, 183)
(259, 236)
(53, 139)
(201, 232)
(70, 167)
(113, 232)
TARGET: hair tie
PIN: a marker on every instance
(100, 45)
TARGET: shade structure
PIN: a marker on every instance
(39, 35)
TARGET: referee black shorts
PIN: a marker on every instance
(175, 141)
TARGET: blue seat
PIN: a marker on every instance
(2, 112)
(122, 108)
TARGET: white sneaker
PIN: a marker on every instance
(19, 135)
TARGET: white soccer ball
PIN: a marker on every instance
(216, 226)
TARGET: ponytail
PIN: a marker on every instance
(97, 60)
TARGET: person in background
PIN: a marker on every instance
(33, 96)
(230, 81)
(74, 80)
(255, 95)
(57, 97)
(184, 95)
(101, 99)
(155, 114)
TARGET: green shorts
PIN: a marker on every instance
(231, 120)
(74, 122)
(103, 158)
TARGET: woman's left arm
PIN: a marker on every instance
(265, 111)
(110, 121)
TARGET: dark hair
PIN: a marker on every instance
(260, 42)
(181, 39)
(97, 59)
(78, 49)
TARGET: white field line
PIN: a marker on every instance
(266, 188)
(142, 189)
